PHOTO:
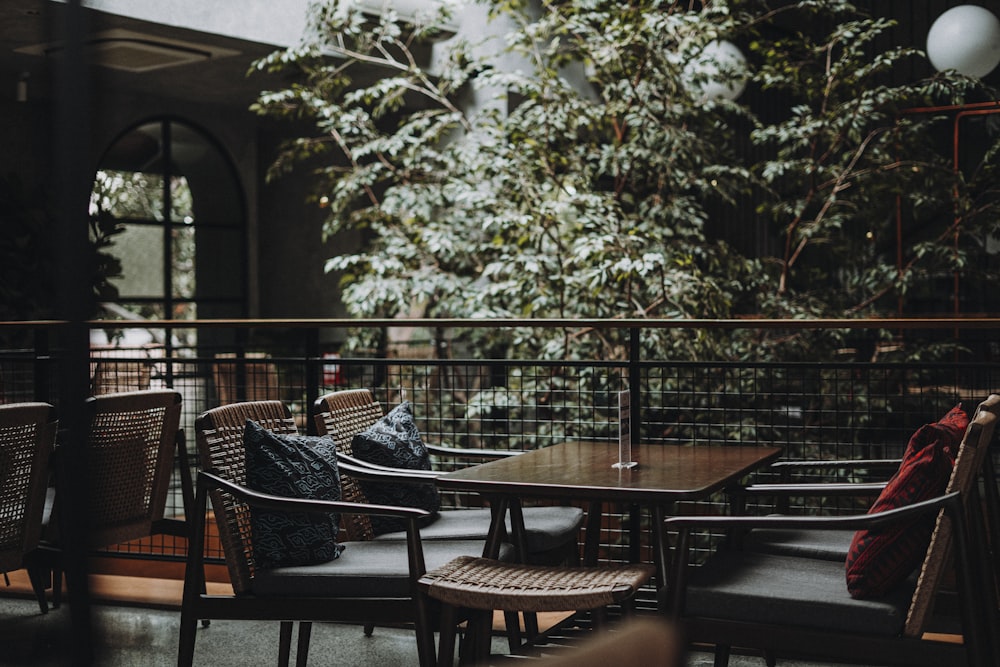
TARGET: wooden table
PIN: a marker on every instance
(582, 471)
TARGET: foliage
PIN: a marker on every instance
(552, 199)
(579, 182)
(846, 156)
(568, 166)
(122, 196)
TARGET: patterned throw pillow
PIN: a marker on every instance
(293, 466)
(394, 441)
(881, 558)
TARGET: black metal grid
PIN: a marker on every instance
(815, 410)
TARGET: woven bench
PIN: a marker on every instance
(484, 585)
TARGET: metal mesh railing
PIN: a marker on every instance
(816, 409)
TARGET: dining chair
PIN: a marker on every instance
(113, 371)
(799, 606)
(551, 532)
(131, 440)
(835, 544)
(254, 377)
(479, 586)
(371, 582)
(27, 437)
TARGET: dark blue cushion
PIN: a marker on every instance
(292, 466)
(394, 441)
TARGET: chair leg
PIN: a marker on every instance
(424, 628)
(188, 634)
(57, 577)
(531, 626)
(302, 649)
(721, 655)
(284, 643)
(475, 646)
(513, 622)
(447, 632)
(369, 629)
(39, 582)
(484, 635)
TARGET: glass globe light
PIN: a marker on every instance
(718, 72)
(965, 38)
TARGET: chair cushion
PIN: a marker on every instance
(881, 558)
(546, 528)
(298, 467)
(805, 543)
(394, 441)
(375, 568)
(786, 590)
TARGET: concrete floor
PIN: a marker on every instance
(143, 637)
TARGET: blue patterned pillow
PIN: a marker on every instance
(293, 466)
(394, 441)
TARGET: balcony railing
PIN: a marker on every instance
(861, 401)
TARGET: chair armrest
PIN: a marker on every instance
(470, 453)
(835, 464)
(854, 521)
(951, 503)
(839, 489)
(785, 489)
(271, 502)
(373, 472)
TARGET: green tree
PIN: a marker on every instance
(581, 181)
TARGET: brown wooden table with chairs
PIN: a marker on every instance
(583, 472)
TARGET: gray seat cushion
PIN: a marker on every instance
(546, 528)
(825, 544)
(786, 590)
(377, 568)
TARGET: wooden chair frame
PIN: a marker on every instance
(27, 438)
(244, 605)
(960, 533)
(223, 481)
(131, 443)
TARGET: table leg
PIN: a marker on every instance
(498, 529)
(521, 548)
(517, 529)
(662, 549)
(634, 533)
(592, 533)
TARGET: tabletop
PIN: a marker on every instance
(583, 470)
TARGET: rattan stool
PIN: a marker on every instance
(484, 585)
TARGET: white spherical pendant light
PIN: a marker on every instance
(718, 72)
(966, 39)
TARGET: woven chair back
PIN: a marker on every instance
(27, 436)
(131, 441)
(969, 462)
(250, 379)
(342, 415)
(219, 434)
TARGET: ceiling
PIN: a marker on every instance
(139, 57)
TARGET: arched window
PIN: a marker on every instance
(174, 222)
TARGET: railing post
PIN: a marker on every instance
(43, 366)
(240, 366)
(313, 371)
(634, 385)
